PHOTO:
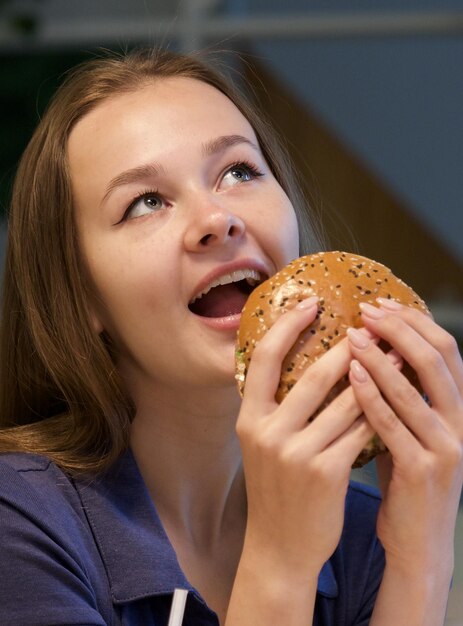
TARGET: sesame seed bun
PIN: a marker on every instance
(342, 281)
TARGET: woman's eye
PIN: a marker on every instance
(145, 204)
(239, 173)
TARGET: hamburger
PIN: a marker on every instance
(341, 281)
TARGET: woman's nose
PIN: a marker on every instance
(215, 227)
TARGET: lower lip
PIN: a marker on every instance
(231, 322)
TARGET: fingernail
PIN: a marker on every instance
(371, 311)
(358, 371)
(357, 338)
(308, 303)
(390, 304)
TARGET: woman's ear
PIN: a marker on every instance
(95, 319)
(96, 322)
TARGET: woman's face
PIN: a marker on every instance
(173, 196)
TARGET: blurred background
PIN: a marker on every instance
(368, 96)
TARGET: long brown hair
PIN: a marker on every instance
(60, 393)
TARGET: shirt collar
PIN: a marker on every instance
(327, 584)
(134, 547)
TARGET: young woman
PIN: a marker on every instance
(149, 197)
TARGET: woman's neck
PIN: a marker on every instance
(189, 456)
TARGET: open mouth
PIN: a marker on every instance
(226, 296)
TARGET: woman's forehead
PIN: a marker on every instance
(167, 122)
(166, 112)
(172, 99)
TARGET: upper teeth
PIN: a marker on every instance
(251, 276)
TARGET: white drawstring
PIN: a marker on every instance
(178, 607)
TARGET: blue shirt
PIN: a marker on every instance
(92, 551)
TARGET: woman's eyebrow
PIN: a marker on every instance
(152, 170)
(220, 144)
(135, 174)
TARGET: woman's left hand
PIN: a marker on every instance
(421, 477)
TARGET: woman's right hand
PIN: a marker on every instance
(297, 473)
